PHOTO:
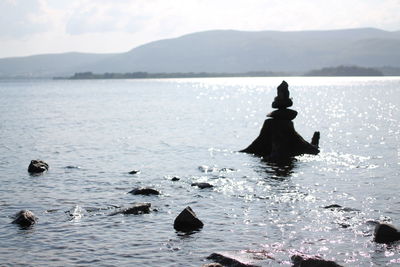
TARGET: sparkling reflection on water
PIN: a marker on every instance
(92, 133)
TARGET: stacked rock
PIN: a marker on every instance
(282, 102)
(278, 140)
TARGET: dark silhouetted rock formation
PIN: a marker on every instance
(187, 221)
(38, 166)
(278, 140)
(386, 233)
(25, 218)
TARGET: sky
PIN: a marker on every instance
(29, 27)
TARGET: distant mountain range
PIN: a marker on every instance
(227, 51)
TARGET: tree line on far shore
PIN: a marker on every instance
(329, 71)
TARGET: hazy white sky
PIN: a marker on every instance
(104, 26)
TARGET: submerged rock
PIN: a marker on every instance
(139, 208)
(144, 191)
(25, 218)
(228, 261)
(278, 140)
(386, 233)
(187, 221)
(202, 185)
(212, 265)
(37, 166)
(175, 179)
(303, 261)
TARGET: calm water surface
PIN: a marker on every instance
(92, 133)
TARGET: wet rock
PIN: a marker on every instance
(139, 208)
(175, 179)
(202, 185)
(25, 218)
(187, 221)
(134, 172)
(206, 169)
(333, 206)
(283, 114)
(144, 191)
(228, 261)
(212, 265)
(386, 233)
(72, 167)
(227, 170)
(303, 261)
(37, 166)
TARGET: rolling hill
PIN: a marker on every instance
(227, 51)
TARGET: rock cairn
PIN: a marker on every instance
(278, 140)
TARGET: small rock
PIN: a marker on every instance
(144, 191)
(134, 172)
(38, 166)
(187, 221)
(212, 265)
(174, 179)
(25, 218)
(386, 233)
(202, 185)
(227, 261)
(227, 170)
(140, 208)
(72, 167)
(315, 139)
(303, 261)
(283, 114)
(206, 169)
(333, 206)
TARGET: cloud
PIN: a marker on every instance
(22, 18)
(119, 25)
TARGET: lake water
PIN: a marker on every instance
(92, 133)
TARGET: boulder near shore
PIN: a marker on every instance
(38, 166)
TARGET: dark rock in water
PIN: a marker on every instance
(25, 218)
(315, 139)
(174, 179)
(187, 221)
(140, 208)
(332, 206)
(386, 233)
(212, 265)
(227, 170)
(38, 166)
(144, 191)
(202, 185)
(227, 261)
(134, 172)
(279, 140)
(302, 261)
(283, 114)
